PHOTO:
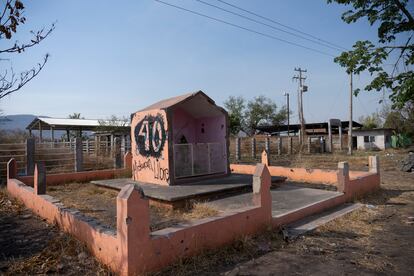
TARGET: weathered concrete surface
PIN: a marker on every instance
(285, 199)
(232, 183)
(311, 223)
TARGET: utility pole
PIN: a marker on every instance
(302, 88)
(288, 111)
(350, 115)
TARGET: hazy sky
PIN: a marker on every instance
(115, 57)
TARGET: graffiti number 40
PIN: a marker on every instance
(150, 137)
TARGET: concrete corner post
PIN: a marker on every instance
(343, 177)
(133, 227)
(265, 158)
(78, 155)
(128, 160)
(254, 148)
(39, 179)
(374, 165)
(261, 189)
(11, 169)
(117, 153)
(238, 144)
(30, 155)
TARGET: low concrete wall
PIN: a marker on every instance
(133, 249)
(102, 243)
(293, 174)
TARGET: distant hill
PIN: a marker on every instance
(13, 122)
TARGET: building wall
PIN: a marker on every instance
(381, 141)
(149, 146)
(183, 125)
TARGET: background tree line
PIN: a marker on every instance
(247, 115)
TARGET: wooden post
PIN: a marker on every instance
(238, 149)
(40, 133)
(78, 155)
(254, 148)
(87, 147)
(30, 156)
(96, 145)
(329, 136)
(267, 145)
(117, 153)
(290, 145)
(52, 134)
(279, 145)
(39, 179)
(309, 144)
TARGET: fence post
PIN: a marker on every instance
(87, 147)
(117, 153)
(39, 179)
(290, 146)
(309, 144)
(267, 145)
(96, 146)
(78, 155)
(279, 145)
(254, 148)
(238, 143)
(30, 155)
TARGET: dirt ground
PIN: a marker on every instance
(378, 239)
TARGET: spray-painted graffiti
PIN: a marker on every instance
(153, 165)
(150, 136)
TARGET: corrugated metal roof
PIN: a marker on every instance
(62, 122)
(167, 103)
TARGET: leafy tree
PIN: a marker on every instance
(371, 121)
(402, 120)
(261, 111)
(11, 17)
(395, 22)
(75, 116)
(235, 107)
(113, 123)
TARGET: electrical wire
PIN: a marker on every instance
(244, 28)
(283, 25)
(268, 25)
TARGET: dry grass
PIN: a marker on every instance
(62, 255)
(100, 203)
(240, 250)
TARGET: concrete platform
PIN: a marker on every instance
(285, 199)
(197, 189)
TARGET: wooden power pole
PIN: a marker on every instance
(302, 88)
(350, 115)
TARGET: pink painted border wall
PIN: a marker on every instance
(133, 249)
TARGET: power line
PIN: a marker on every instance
(270, 26)
(283, 25)
(244, 28)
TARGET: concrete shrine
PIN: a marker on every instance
(179, 139)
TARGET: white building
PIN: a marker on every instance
(372, 139)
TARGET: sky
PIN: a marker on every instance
(116, 57)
